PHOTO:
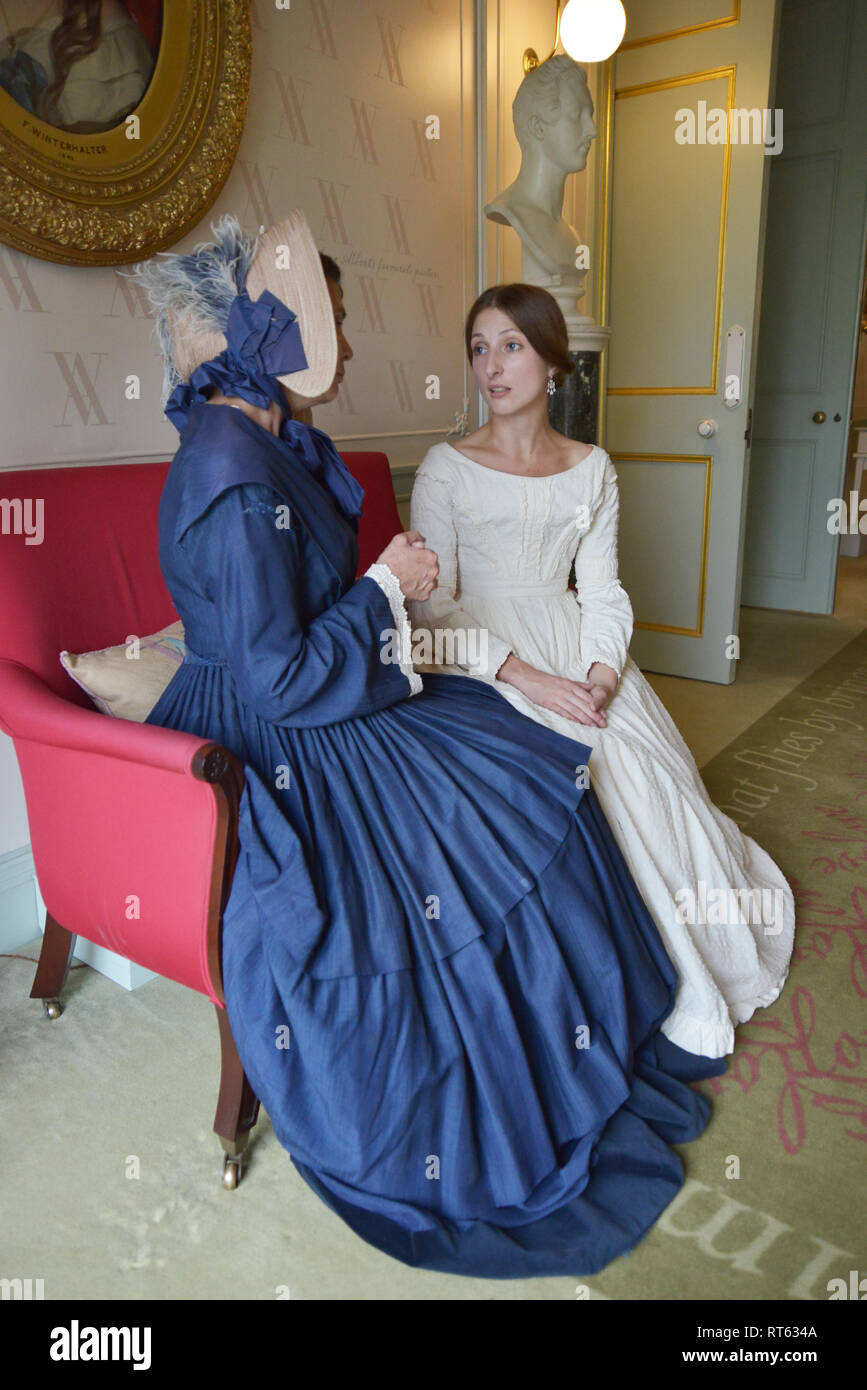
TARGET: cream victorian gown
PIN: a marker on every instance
(505, 545)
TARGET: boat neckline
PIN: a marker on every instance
(531, 477)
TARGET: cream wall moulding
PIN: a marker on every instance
(99, 167)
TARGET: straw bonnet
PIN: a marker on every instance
(193, 293)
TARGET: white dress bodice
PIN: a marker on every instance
(506, 545)
(101, 86)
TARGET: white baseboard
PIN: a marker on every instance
(19, 912)
(22, 918)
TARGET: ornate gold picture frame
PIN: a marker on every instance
(110, 197)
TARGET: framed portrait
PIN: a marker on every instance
(119, 122)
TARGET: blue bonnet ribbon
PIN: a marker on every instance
(263, 341)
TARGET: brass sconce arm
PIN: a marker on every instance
(531, 58)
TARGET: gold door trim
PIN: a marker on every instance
(688, 79)
(721, 23)
(603, 229)
(707, 460)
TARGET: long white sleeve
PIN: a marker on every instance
(430, 513)
(606, 613)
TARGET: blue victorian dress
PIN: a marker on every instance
(443, 984)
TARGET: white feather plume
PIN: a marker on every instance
(197, 286)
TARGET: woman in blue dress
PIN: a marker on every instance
(429, 906)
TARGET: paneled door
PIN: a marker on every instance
(810, 309)
(685, 211)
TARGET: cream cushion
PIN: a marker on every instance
(126, 681)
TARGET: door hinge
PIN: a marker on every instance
(748, 432)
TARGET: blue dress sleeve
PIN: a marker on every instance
(289, 671)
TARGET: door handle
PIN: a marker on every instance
(819, 417)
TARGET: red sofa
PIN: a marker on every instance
(119, 810)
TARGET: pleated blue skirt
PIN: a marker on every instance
(444, 985)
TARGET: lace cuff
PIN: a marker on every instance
(390, 586)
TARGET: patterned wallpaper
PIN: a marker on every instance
(361, 114)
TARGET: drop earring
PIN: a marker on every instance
(550, 388)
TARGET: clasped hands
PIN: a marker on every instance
(414, 566)
(583, 702)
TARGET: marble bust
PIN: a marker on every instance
(553, 119)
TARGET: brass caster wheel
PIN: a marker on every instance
(231, 1172)
(52, 1008)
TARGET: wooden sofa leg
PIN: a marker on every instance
(237, 1106)
(54, 961)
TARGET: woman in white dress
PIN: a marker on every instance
(80, 65)
(507, 514)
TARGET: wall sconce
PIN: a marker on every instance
(589, 30)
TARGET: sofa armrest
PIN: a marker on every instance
(133, 829)
(29, 709)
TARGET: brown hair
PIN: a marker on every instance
(77, 34)
(330, 267)
(539, 317)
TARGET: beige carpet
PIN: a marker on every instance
(126, 1083)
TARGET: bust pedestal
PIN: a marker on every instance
(573, 410)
